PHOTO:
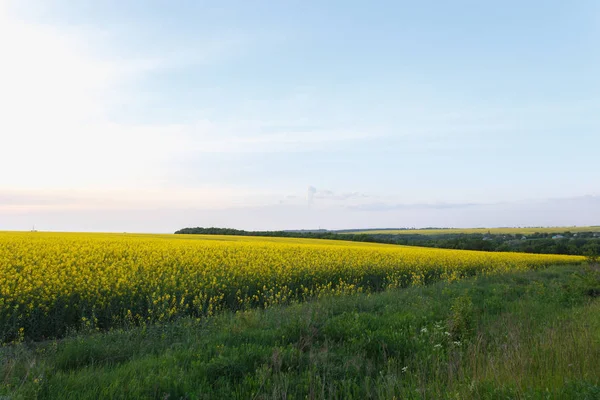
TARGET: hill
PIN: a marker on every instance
(493, 231)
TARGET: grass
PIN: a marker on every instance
(495, 231)
(530, 335)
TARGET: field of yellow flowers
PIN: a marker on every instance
(51, 283)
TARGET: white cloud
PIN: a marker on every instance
(55, 125)
(324, 198)
(181, 198)
(54, 103)
(310, 194)
(209, 137)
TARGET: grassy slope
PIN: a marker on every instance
(521, 335)
(496, 231)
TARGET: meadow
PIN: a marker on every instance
(517, 335)
(493, 231)
(52, 284)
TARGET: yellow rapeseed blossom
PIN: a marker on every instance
(52, 282)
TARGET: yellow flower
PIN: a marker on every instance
(112, 279)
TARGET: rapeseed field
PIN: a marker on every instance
(51, 283)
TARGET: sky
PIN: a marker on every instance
(150, 116)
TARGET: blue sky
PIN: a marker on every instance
(304, 113)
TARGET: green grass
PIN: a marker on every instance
(532, 335)
(495, 231)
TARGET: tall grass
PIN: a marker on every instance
(522, 335)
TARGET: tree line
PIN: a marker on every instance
(580, 243)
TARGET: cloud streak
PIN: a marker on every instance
(422, 206)
(561, 212)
